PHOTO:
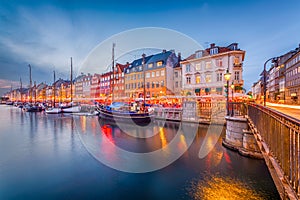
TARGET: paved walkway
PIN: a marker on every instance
(291, 110)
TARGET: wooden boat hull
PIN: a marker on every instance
(138, 118)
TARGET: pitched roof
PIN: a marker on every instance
(163, 56)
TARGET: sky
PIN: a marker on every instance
(46, 33)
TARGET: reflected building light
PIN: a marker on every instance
(162, 137)
(217, 187)
(83, 124)
(182, 144)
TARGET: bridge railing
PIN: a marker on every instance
(237, 109)
(281, 134)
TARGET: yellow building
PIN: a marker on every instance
(158, 72)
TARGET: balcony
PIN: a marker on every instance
(237, 65)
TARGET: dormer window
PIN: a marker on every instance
(159, 63)
(199, 54)
(150, 65)
(214, 51)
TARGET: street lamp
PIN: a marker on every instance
(227, 77)
(274, 59)
(232, 88)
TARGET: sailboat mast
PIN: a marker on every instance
(71, 78)
(54, 87)
(144, 79)
(21, 99)
(30, 84)
(34, 92)
(113, 72)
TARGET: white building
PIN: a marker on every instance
(203, 72)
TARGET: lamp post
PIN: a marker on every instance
(227, 77)
(274, 59)
(232, 88)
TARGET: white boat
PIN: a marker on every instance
(53, 110)
(73, 109)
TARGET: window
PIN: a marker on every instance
(159, 63)
(148, 85)
(198, 79)
(199, 54)
(176, 74)
(214, 51)
(237, 75)
(208, 78)
(236, 60)
(219, 62)
(188, 80)
(150, 65)
(162, 72)
(157, 84)
(198, 67)
(176, 84)
(188, 68)
(157, 73)
(219, 77)
(148, 75)
(153, 74)
(208, 65)
(162, 83)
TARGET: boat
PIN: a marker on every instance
(32, 108)
(73, 109)
(121, 112)
(53, 110)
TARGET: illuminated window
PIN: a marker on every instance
(208, 78)
(208, 65)
(157, 73)
(236, 60)
(150, 65)
(198, 67)
(198, 79)
(159, 63)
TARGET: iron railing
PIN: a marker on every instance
(281, 134)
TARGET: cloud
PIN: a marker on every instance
(5, 84)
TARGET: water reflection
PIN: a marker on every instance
(46, 156)
(221, 187)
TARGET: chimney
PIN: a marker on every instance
(164, 51)
(212, 45)
(179, 56)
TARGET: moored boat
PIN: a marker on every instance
(53, 110)
(121, 112)
(73, 109)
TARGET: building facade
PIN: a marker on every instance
(292, 79)
(159, 70)
(203, 72)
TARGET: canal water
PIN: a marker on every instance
(61, 157)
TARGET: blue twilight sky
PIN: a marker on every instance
(47, 33)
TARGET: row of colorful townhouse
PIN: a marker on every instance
(161, 74)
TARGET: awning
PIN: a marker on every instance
(219, 89)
